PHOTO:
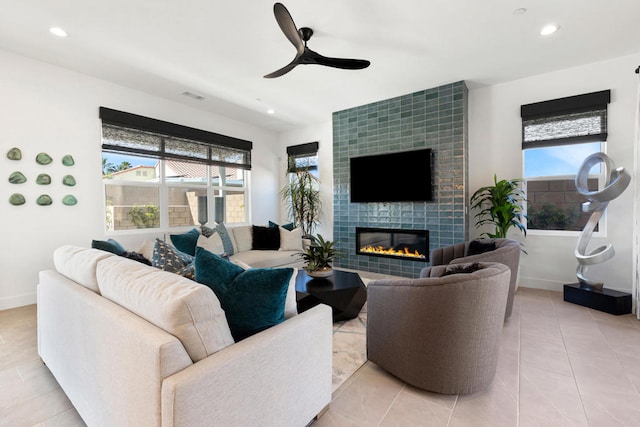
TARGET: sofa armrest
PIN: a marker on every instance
(281, 376)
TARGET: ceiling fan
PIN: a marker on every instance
(304, 55)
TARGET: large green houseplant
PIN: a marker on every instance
(500, 206)
(302, 196)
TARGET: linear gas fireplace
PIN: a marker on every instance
(393, 243)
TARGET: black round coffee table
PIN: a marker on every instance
(343, 291)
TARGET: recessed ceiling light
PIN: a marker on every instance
(271, 111)
(549, 29)
(57, 31)
(520, 11)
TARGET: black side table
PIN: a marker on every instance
(343, 291)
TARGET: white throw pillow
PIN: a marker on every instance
(291, 240)
(212, 244)
(146, 249)
(290, 303)
(243, 238)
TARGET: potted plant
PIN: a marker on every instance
(318, 256)
(501, 206)
(303, 198)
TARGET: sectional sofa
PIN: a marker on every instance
(134, 345)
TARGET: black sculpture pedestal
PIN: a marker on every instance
(607, 300)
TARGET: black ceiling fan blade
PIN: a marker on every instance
(288, 27)
(344, 63)
(283, 70)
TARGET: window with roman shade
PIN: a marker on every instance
(557, 135)
(303, 156)
(163, 175)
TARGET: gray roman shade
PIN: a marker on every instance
(570, 120)
(129, 133)
(303, 156)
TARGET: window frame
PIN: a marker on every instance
(212, 143)
(589, 104)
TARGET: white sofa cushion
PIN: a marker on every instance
(291, 240)
(242, 237)
(189, 311)
(262, 259)
(79, 264)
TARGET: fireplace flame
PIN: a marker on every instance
(381, 250)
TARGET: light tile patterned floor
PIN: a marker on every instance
(560, 365)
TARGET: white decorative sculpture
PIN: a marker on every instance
(617, 180)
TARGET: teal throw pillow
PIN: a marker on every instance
(289, 226)
(186, 242)
(213, 269)
(168, 258)
(109, 245)
(253, 300)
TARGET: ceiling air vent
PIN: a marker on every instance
(193, 95)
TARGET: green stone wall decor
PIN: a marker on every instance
(17, 199)
(67, 160)
(17, 178)
(69, 180)
(43, 159)
(69, 200)
(43, 179)
(44, 200)
(14, 154)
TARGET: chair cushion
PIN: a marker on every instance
(476, 247)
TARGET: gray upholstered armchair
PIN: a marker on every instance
(507, 252)
(440, 334)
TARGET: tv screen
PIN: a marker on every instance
(392, 177)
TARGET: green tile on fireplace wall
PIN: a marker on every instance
(432, 118)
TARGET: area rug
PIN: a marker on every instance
(349, 347)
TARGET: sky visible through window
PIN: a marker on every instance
(116, 159)
(558, 160)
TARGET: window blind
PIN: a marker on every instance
(303, 156)
(130, 133)
(562, 121)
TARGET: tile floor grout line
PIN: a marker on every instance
(573, 372)
(453, 408)
(391, 405)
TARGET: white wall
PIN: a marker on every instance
(51, 109)
(495, 147)
(323, 133)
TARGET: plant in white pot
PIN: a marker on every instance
(319, 256)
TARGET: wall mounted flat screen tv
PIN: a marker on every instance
(392, 177)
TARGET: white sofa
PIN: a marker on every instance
(134, 345)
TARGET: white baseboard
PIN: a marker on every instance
(17, 301)
(531, 282)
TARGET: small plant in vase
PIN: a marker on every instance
(319, 256)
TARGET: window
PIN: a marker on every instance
(161, 175)
(557, 136)
(303, 157)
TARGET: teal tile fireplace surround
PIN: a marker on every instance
(434, 118)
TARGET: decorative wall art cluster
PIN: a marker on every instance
(42, 159)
